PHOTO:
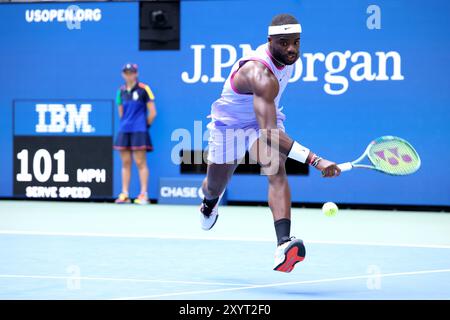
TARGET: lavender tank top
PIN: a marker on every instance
(234, 109)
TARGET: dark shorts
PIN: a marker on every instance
(133, 141)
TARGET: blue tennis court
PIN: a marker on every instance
(106, 251)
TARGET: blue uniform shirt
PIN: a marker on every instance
(134, 102)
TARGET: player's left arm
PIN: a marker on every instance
(151, 108)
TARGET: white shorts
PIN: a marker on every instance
(226, 145)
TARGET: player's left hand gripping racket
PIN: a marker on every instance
(387, 154)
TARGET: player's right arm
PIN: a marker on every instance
(262, 83)
(119, 103)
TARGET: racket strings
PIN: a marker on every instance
(394, 156)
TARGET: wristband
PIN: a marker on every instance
(313, 158)
(316, 161)
(298, 152)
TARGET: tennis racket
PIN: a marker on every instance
(387, 154)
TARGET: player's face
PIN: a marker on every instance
(129, 77)
(285, 48)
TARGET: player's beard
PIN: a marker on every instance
(291, 58)
(286, 58)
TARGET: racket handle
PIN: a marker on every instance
(346, 166)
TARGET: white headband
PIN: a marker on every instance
(285, 29)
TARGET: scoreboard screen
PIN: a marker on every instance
(63, 149)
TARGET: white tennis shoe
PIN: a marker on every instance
(208, 216)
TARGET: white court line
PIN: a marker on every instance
(19, 276)
(366, 276)
(216, 238)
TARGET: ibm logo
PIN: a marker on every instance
(63, 118)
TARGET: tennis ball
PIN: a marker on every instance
(330, 209)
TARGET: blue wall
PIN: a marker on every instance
(50, 61)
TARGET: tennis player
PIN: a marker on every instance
(250, 103)
(135, 101)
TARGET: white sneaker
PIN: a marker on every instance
(208, 216)
(288, 254)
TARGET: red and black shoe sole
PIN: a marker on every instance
(294, 254)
